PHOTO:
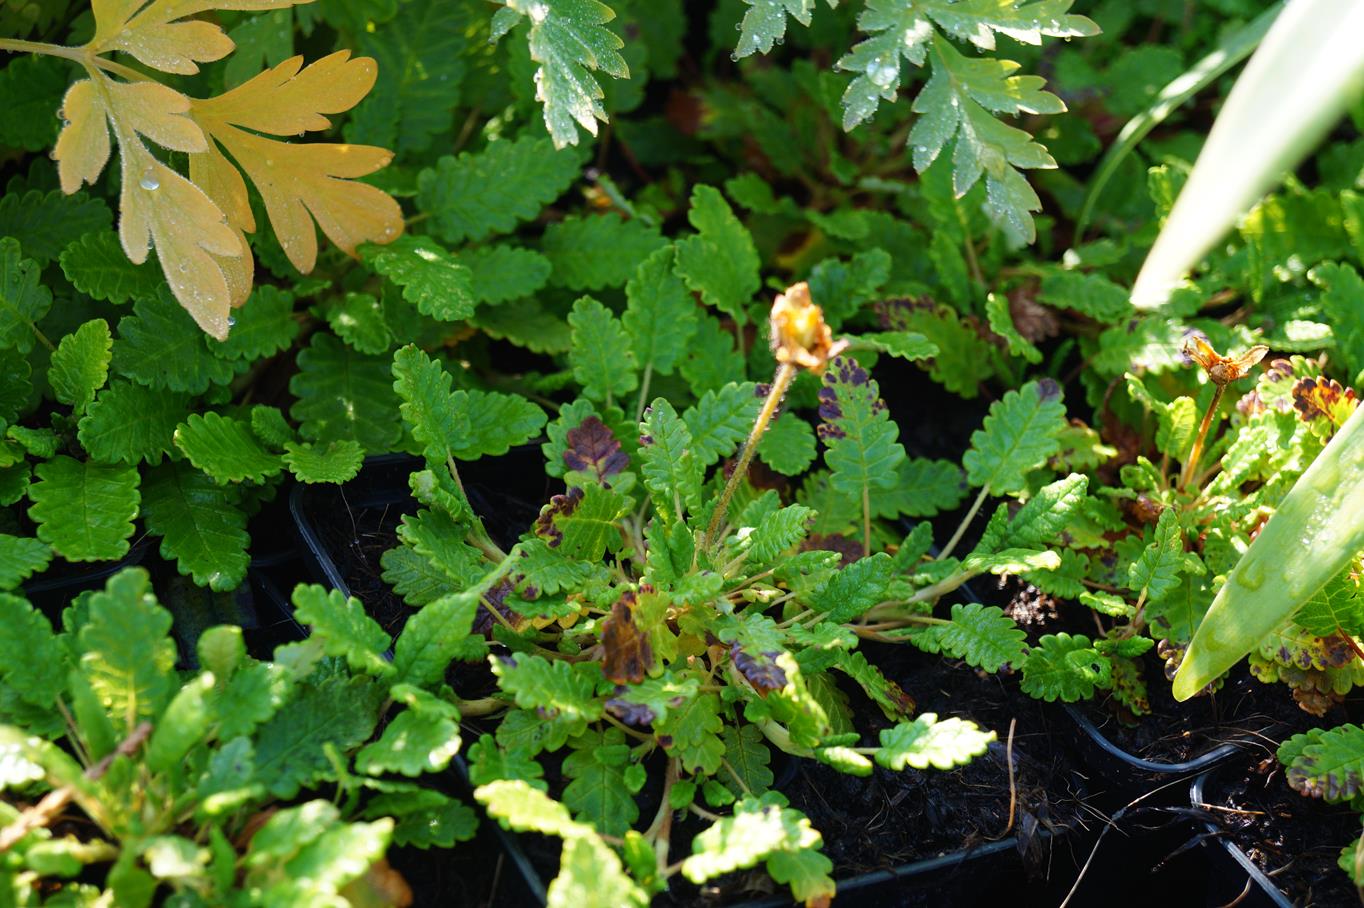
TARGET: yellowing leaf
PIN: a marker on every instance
(299, 184)
(151, 33)
(198, 224)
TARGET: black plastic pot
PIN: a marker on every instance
(1233, 876)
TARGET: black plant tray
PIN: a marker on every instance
(1234, 878)
(1126, 770)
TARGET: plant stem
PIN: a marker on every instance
(866, 522)
(780, 382)
(644, 390)
(965, 522)
(485, 706)
(75, 54)
(1197, 450)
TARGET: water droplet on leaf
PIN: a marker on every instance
(149, 181)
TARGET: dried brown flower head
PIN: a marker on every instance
(799, 335)
(1222, 370)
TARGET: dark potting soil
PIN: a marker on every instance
(1295, 840)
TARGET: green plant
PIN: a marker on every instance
(155, 782)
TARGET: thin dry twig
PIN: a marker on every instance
(55, 801)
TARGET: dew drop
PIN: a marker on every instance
(182, 267)
(231, 320)
(149, 181)
(388, 231)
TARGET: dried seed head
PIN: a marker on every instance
(1222, 370)
(799, 335)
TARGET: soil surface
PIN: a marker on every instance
(1293, 839)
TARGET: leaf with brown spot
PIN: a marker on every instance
(593, 449)
(762, 670)
(627, 655)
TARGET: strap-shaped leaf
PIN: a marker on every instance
(720, 262)
(84, 510)
(200, 522)
(225, 448)
(1017, 436)
(477, 195)
(342, 626)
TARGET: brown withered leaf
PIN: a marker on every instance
(627, 655)
(1033, 320)
(1323, 398)
(593, 449)
(379, 887)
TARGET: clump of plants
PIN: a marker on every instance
(129, 780)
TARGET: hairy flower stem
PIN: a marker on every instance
(780, 382)
(1190, 465)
